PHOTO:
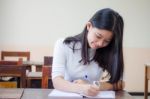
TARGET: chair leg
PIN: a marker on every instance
(28, 83)
(146, 90)
(146, 84)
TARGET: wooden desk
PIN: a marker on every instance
(29, 64)
(33, 74)
(15, 71)
(43, 94)
(11, 93)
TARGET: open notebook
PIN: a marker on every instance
(62, 94)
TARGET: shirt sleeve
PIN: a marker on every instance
(59, 58)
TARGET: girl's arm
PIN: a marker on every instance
(87, 89)
(116, 86)
(106, 85)
(119, 85)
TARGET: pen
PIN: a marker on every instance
(84, 96)
(97, 83)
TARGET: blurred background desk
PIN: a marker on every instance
(33, 66)
(33, 72)
(39, 71)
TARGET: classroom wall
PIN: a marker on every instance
(35, 25)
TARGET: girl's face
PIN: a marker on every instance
(98, 38)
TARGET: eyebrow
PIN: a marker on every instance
(98, 34)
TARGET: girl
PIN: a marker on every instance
(81, 59)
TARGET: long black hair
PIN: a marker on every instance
(110, 58)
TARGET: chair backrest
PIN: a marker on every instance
(19, 62)
(48, 60)
(18, 54)
(147, 77)
(46, 71)
(14, 71)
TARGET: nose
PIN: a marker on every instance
(100, 43)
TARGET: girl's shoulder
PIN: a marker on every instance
(60, 40)
(76, 45)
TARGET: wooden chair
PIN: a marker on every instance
(14, 55)
(13, 69)
(46, 71)
(147, 77)
(48, 60)
(39, 75)
(46, 75)
(18, 54)
(19, 62)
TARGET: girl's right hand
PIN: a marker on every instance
(90, 90)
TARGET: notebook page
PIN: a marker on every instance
(62, 94)
(103, 94)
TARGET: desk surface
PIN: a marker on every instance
(43, 94)
(33, 63)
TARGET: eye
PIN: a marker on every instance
(106, 42)
(98, 35)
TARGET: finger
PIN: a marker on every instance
(95, 87)
(75, 81)
(93, 91)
